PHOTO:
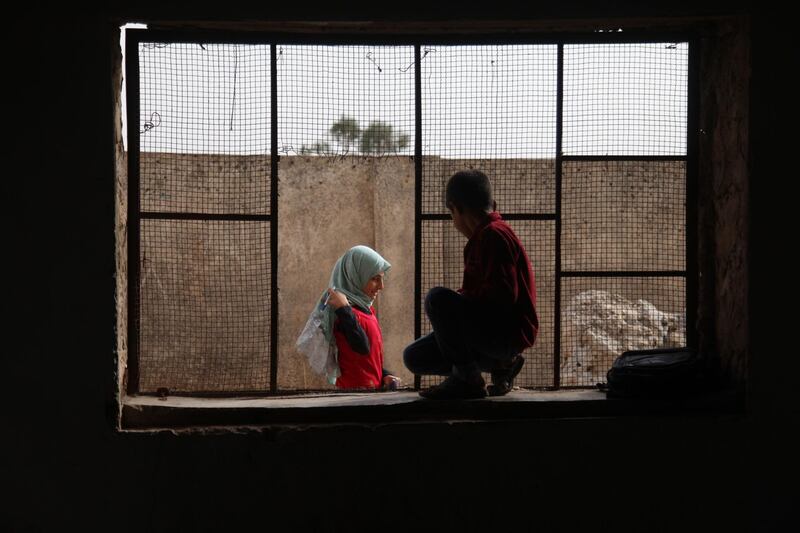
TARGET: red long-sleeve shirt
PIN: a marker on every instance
(498, 275)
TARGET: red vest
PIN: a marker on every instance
(358, 370)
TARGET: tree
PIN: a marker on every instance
(402, 141)
(346, 131)
(379, 138)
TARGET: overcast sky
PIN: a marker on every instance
(477, 101)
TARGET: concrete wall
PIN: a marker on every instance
(205, 285)
(328, 205)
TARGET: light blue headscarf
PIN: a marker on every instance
(350, 273)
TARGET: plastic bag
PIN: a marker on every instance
(321, 354)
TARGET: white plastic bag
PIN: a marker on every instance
(321, 355)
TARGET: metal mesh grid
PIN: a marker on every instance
(443, 265)
(520, 186)
(625, 99)
(204, 98)
(205, 183)
(204, 289)
(339, 100)
(623, 216)
(212, 101)
(442, 260)
(492, 108)
(538, 238)
(628, 216)
(205, 305)
(204, 143)
(602, 317)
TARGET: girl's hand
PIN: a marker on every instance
(337, 299)
(391, 382)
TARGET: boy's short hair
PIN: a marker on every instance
(469, 190)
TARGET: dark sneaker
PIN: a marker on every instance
(456, 389)
(503, 378)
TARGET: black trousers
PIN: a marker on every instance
(466, 337)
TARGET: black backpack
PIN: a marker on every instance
(664, 373)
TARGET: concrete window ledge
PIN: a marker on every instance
(403, 407)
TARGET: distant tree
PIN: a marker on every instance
(403, 141)
(379, 138)
(346, 131)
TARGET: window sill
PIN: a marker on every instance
(404, 407)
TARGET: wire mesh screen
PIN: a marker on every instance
(204, 288)
(625, 99)
(442, 258)
(346, 136)
(204, 98)
(492, 108)
(340, 100)
(205, 305)
(204, 183)
(205, 222)
(601, 317)
(538, 238)
(623, 216)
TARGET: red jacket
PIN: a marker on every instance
(498, 275)
(358, 370)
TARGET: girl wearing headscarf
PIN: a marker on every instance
(349, 319)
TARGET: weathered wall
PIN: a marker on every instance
(616, 216)
(723, 186)
(328, 205)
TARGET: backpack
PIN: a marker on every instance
(665, 372)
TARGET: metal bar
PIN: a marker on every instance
(153, 215)
(666, 158)
(559, 164)
(417, 201)
(623, 273)
(134, 234)
(506, 216)
(692, 239)
(260, 393)
(273, 209)
(326, 36)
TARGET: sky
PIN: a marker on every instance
(494, 101)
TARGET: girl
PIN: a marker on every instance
(349, 319)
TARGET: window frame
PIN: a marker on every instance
(135, 36)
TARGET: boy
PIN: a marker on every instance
(492, 318)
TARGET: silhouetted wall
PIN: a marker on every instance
(65, 467)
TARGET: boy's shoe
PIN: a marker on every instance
(453, 388)
(503, 378)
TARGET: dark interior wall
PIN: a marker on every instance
(65, 467)
(722, 195)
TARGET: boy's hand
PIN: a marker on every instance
(337, 299)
